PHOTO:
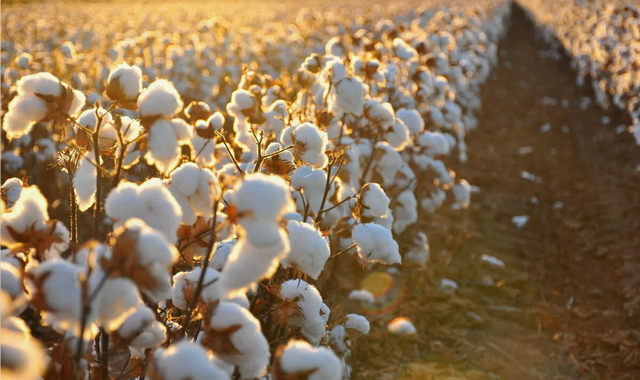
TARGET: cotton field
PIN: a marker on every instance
(199, 191)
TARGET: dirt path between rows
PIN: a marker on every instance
(567, 304)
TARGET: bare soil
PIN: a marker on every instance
(566, 305)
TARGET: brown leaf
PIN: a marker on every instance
(288, 309)
(219, 340)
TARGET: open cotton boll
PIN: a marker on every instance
(401, 326)
(397, 135)
(347, 97)
(299, 357)
(221, 253)
(262, 198)
(310, 145)
(241, 101)
(419, 251)
(462, 193)
(312, 182)
(84, 182)
(11, 189)
(358, 323)
(11, 279)
(164, 142)
(375, 244)
(216, 120)
(434, 143)
(243, 137)
(185, 284)
(194, 189)
(380, 113)
(434, 200)
(314, 312)
(247, 263)
(184, 360)
(124, 83)
(388, 162)
(230, 323)
(403, 50)
(374, 199)
(117, 299)
(151, 202)
(142, 330)
(54, 287)
(23, 358)
(364, 296)
(160, 99)
(276, 116)
(152, 254)
(412, 119)
(28, 213)
(203, 152)
(405, 211)
(40, 97)
(309, 249)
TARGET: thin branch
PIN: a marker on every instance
(233, 158)
(341, 252)
(205, 265)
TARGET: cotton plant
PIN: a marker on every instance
(215, 230)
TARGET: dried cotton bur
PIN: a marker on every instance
(209, 241)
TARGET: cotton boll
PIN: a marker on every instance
(312, 182)
(11, 189)
(160, 99)
(216, 120)
(419, 251)
(32, 104)
(221, 253)
(54, 287)
(401, 326)
(117, 298)
(149, 259)
(84, 182)
(434, 143)
(248, 263)
(358, 323)
(237, 326)
(363, 296)
(261, 198)
(412, 119)
(143, 331)
(405, 211)
(203, 152)
(375, 244)
(151, 202)
(314, 312)
(23, 358)
(310, 145)
(380, 113)
(403, 51)
(309, 249)
(12, 281)
(28, 213)
(184, 360)
(299, 357)
(185, 284)
(347, 97)
(165, 139)
(11, 161)
(124, 83)
(433, 201)
(388, 162)
(374, 199)
(194, 189)
(462, 193)
(397, 135)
